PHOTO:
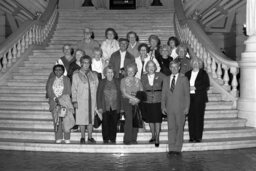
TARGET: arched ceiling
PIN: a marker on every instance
(213, 15)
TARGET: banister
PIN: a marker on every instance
(31, 32)
(218, 66)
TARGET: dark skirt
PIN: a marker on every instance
(152, 112)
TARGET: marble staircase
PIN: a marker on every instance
(26, 124)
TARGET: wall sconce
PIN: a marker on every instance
(244, 30)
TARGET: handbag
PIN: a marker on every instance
(62, 112)
(137, 117)
(97, 121)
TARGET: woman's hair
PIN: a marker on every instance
(109, 67)
(83, 52)
(60, 66)
(155, 37)
(71, 49)
(143, 45)
(133, 66)
(175, 39)
(135, 34)
(150, 61)
(165, 47)
(114, 32)
(182, 46)
(198, 60)
(86, 57)
(97, 49)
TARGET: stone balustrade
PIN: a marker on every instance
(222, 70)
(32, 33)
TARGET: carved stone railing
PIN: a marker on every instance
(31, 33)
(222, 70)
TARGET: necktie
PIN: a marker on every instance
(173, 83)
(142, 70)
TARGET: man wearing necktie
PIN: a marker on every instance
(175, 104)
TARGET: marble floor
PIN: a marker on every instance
(228, 160)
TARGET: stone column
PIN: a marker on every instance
(247, 100)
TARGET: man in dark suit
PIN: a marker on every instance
(121, 58)
(175, 103)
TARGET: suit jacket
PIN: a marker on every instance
(100, 95)
(177, 101)
(154, 93)
(116, 59)
(202, 84)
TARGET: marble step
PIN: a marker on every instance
(48, 64)
(40, 97)
(48, 124)
(20, 89)
(25, 114)
(32, 77)
(45, 114)
(41, 135)
(120, 148)
(98, 31)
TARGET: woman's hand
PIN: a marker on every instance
(134, 101)
(57, 100)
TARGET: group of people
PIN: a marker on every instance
(106, 80)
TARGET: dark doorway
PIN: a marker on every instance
(122, 4)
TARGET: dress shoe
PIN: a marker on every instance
(112, 141)
(82, 141)
(191, 140)
(105, 141)
(171, 153)
(156, 144)
(67, 141)
(91, 140)
(198, 140)
(58, 141)
(152, 140)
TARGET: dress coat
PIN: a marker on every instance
(116, 59)
(80, 95)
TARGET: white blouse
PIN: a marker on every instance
(58, 86)
(97, 66)
(108, 47)
(151, 79)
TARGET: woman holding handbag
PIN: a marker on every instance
(84, 88)
(130, 85)
(109, 104)
(59, 91)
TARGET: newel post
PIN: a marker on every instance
(247, 100)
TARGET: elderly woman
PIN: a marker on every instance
(110, 45)
(143, 59)
(59, 91)
(109, 103)
(182, 59)
(173, 43)
(84, 88)
(199, 84)
(154, 47)
(165, 60)
(98, 63)
(152, 84)
(130, 85)
(75, 65)
(133, 43)
(88, 44)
